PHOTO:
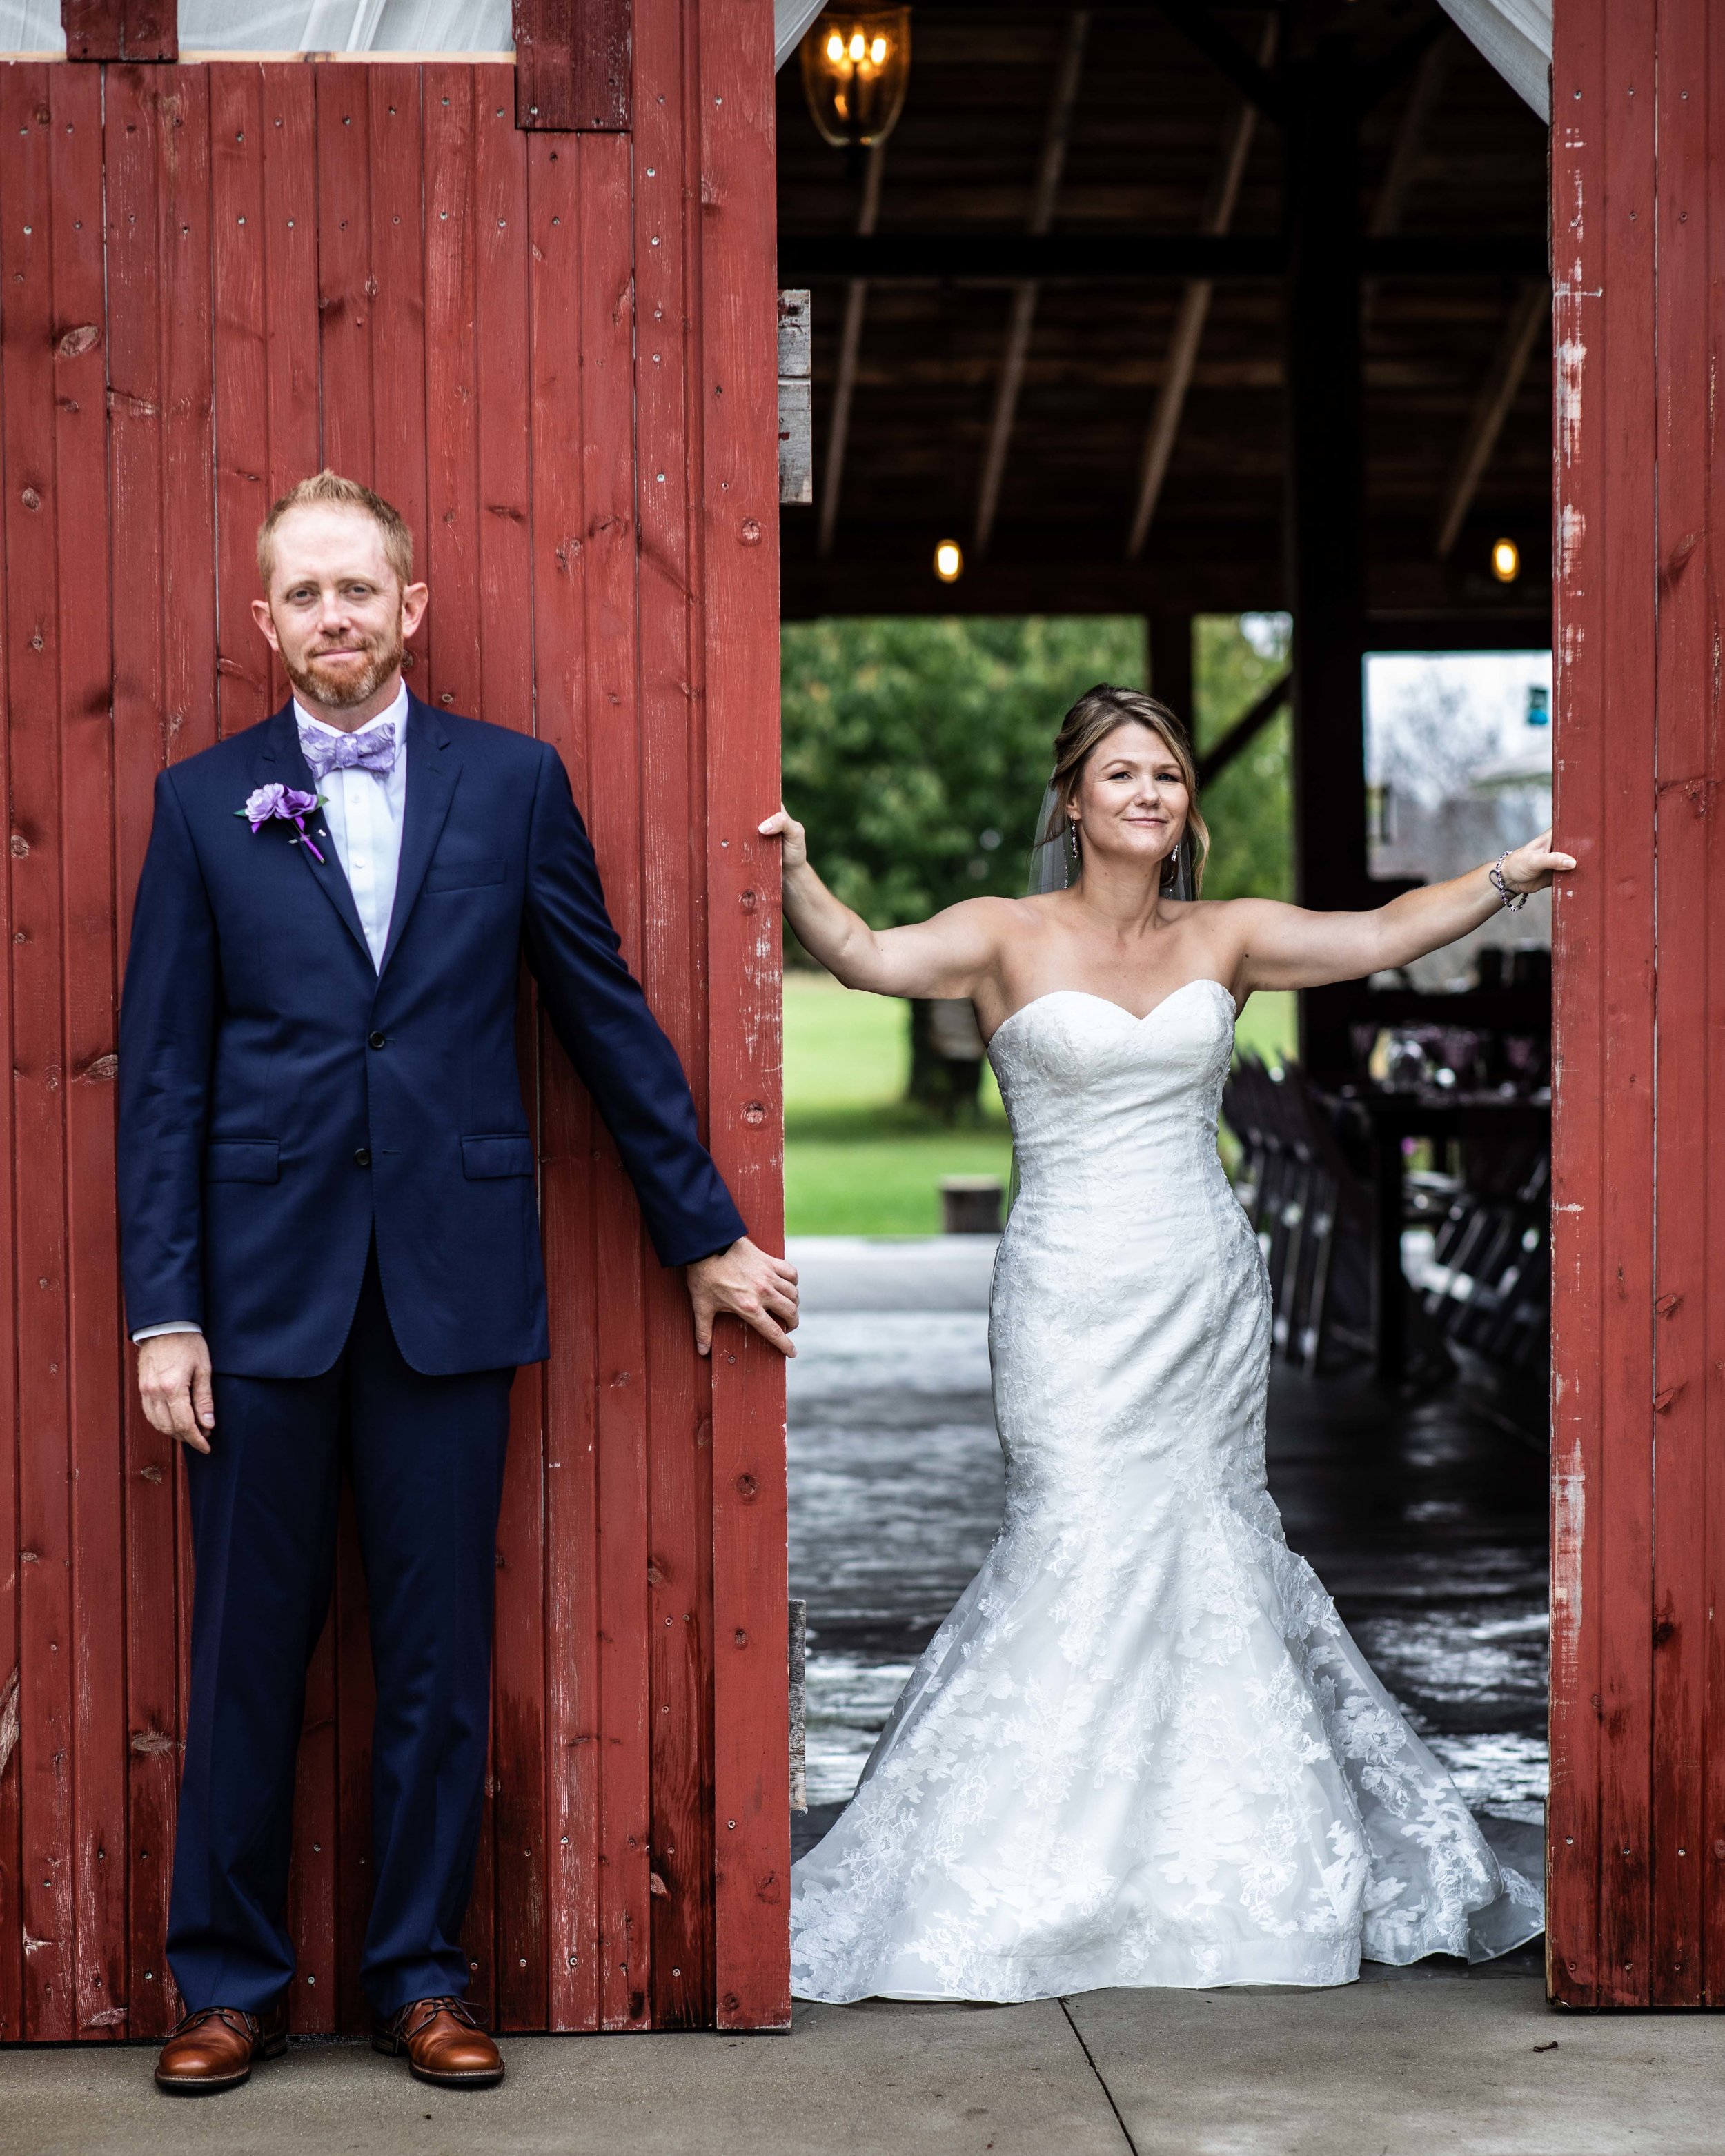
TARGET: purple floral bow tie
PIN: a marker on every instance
(371, 749)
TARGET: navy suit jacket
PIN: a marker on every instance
(282, 1100)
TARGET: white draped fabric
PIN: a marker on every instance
(1515, 35)
(341, 26)
(790, 19)
(295, 26)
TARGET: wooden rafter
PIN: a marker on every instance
(1409, 144)
(1251, 78)
(957, 256)
(1194, 312)
(1529, 317)
(856, 302)
(1244, 730)
(1022, 320)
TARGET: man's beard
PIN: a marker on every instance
(341, 692)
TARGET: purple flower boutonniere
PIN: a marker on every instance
(288, 805)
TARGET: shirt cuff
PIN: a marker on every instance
(156, 1332)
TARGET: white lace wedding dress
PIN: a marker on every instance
(1143, 1749)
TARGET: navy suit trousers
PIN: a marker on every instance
(426, 1457)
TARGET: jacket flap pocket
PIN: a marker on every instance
(243, 1160)
(483, 1158)
(454, 870)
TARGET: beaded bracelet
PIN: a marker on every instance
(1514, 899)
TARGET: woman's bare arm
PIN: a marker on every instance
(1284, 946)
(949, 955)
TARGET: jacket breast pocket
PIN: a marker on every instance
(242, 1160)
(461, 871)
(483, 1160)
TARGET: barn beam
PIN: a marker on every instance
(1194, 312)
(1409, 144)
(1244, 730)
(1023, 317)
(1530, 315)
(1323, 526)
(856, 303)
(121, 29)
(1103, 258)
(1251, 78)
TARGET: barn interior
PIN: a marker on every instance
(1175, 311)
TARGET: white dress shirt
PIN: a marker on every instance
(363, 810)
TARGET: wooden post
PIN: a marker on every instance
(1171, 666)
(1324, 508)
(121, 29)
(1636, 1824)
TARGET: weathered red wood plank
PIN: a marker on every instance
(121, 29)
(739, 375)
(1688, 626)
(291, 353)
(615, 810)
(347, 312)
(1577, 1119)
(136, 392)
(448, 95)
(572, 1614)
(95, 1370)
(33, 659)
(673, 955)
(506, 573)
(572, 63)
(451, 333)
(241, 270)
(348, 354)
(19, 161)
(398, 274)
(1709, 1320)
(1629, 686)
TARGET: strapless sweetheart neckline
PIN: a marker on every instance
(1133, 1017)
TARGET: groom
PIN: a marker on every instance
(332, 1249)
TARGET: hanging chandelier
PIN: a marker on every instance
(857, 64)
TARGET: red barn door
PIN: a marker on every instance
(1637, 1819)
(556, 352)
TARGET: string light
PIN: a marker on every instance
(949, 560)
(1505, 561)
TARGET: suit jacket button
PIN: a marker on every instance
(375, 1039)
(362, 1157)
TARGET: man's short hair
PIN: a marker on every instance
(329, 487)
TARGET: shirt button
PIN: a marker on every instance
(376, 1039)
(362, 1157)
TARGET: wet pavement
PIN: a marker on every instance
(1425, 1519)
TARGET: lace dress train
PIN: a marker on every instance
(1143, 1749)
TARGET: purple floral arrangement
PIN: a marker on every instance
(286, 804)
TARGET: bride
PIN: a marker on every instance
(1143, 1749)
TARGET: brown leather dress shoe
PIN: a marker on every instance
(443, 2042)
(214, 2047)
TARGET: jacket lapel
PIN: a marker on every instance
(432, 769)
(281, 762)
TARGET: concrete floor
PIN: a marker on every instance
(1392, 2068)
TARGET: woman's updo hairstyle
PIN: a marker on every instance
(1096, 714)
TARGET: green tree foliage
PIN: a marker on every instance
(1249, 807)
(916, 751)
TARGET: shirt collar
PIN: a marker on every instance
(394, 715)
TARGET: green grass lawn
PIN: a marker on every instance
(859, 1160)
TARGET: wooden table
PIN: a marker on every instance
(1386, 1118)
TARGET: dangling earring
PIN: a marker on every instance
(1072, 840)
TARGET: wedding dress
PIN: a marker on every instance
(1143, 1749)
